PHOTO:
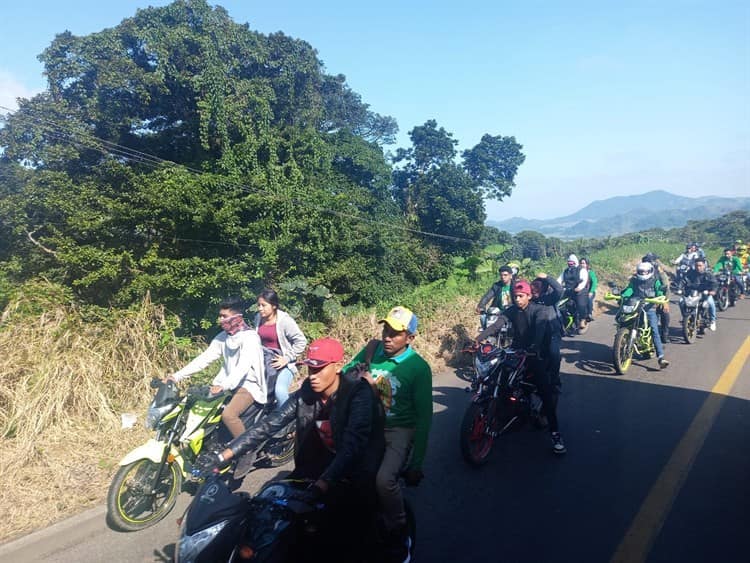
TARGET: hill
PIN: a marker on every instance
(627, 214)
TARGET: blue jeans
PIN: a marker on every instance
(711, 307)
(653, 321)
(283, 381)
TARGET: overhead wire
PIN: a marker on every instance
(53, 128)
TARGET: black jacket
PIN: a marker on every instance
(551, 295)
(357, 423)
(528, 326)
(702, 282)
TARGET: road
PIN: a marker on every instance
(657, 469)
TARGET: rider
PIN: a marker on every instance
(545, 291)
(242, 368)
(590, 288)
(703, 280)
(642, 285)
(662, 310)
(692, 252)
(403, 380)
(531, 333)
(499, 295)
(338, 442)
(740, 250)
(734, 264)
(574, 280)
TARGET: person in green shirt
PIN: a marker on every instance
(732, 263)
(593, 283)
(403, 380)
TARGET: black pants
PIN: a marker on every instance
(547, 380)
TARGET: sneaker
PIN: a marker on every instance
(558, 446)
(663, 363)
(398, 547)
(712, 326)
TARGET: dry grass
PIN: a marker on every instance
(64, 383)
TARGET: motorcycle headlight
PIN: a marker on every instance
(189, 547)
(483, 368)
(154, 415)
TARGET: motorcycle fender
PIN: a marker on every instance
(153, 450)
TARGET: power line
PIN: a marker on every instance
(53, 129)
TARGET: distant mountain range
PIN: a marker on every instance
(628, 214)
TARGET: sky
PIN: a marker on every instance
(607, 98)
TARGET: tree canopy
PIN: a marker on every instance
(184, 154)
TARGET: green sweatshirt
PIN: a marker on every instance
(593, 280)
(733, 261)
(405, 386)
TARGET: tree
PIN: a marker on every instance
(493, 164)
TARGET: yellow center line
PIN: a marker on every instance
(647, 524)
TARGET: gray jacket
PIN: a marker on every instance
(291, 338)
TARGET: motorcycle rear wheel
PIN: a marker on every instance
(476, 442)
(688, 328)
(622, 351)
(131, 506)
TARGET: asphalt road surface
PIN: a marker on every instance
(657, 469)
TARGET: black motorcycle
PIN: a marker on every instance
(503, 397)
(283, 523)
(680, 274)
(695, 314)
(727, 292)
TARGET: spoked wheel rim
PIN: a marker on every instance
(136, 503)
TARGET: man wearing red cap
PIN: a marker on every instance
(531, 332)
(339, 440)
(404, 382)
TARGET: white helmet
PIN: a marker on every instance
(645, 271)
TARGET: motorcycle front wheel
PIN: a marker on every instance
(476, 433)
(689, 328)
(131, 505)
(622, 351)
(722, 299)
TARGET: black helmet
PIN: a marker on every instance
(650, 257)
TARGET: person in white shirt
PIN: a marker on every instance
(242, 368)
(574, 280)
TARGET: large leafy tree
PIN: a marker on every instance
(184, 154)
(439, 195)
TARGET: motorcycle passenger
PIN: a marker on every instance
(545, 291)
(532, 333)
(242, 369)
(590, 289)
(740, 250)
(279, 333)
(734, 265)
(403, 380)
(642, 285)
(661, 310)
(702, 280)
(499, 295)
(339, 441)
(574, 280)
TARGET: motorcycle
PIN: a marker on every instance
(503, 397)
(280, 524)
(679, 275)
(569, 316)
(634, 335)
(146, 486)
(727, 292)
(490, 317)
(695, 314)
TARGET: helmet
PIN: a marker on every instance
(644, 271)
(514, 267)
(650, 257)
(693, 244)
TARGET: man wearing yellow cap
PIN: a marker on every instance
(403, 380)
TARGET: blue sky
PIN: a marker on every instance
(607, 98)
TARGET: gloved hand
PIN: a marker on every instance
(412, 477)
(209, 462)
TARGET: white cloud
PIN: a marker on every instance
(10, 89)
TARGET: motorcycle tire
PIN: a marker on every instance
(722, 299)
(689, 328)
(130, 507)
(476, 443)
(622, 351)
(280, 452)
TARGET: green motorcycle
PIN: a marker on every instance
(634, 335)
(145, 488)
